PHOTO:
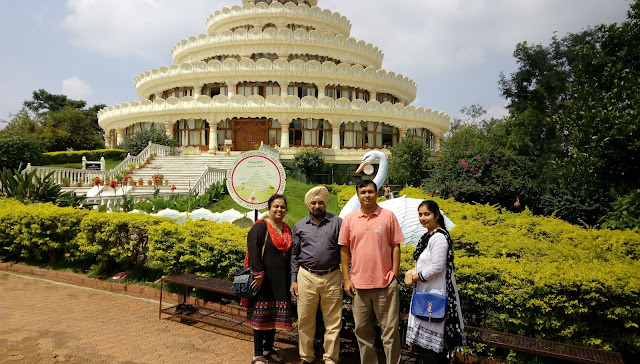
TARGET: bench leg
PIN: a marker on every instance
(160, 308)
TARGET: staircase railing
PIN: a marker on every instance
(271, 150)
(150, 150)
(86, 177)
(75, 176)
(209, 177)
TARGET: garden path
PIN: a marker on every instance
(42, 321)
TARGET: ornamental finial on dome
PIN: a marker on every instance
(299, 2)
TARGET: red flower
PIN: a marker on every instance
(96, 181)
(173, 187)
(113, 184)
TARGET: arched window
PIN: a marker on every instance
(302, 89)
(383, 97)
(275, 132)
(263, 89)
(139, 127)
(192, 132)
(310, 133)
(225, 131)
(336, 91)
(213, 89)
(367, 134)
(422, 134)
(178, 92)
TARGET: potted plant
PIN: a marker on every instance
(66, 181)
(79, 183)
(150, 182)
(141, 181)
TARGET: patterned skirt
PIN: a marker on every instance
(425, 338)
(267, 315)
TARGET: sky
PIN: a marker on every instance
(454, 50)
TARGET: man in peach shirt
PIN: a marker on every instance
(370, 238)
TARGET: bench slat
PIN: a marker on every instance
(575, 353)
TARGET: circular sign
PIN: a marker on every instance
(253, 178)
(368, 169)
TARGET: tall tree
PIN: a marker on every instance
(409, 161)
(574, 113)
(44, 101)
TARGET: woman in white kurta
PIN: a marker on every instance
(434, 273)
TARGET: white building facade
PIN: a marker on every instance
(285, 73)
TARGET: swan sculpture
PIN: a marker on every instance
(368, 158)
(405, 209)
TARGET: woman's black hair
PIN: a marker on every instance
(433, 207)
(275, 197)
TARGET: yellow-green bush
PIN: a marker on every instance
(543, 277)
(203, 247)
(39, 232)
(115, 240)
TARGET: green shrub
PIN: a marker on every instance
(309, 161)
(625, 214)
(29, 188)
(16, 149)
(202, 247)
(76, 156)
(116, 241)
(39, 232)
(135, 143)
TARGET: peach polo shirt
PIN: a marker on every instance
(371, 239)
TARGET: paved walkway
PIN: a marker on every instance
(42, 321)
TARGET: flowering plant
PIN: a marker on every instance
(96, 181)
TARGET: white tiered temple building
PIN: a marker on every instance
(284, 73)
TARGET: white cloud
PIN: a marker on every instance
(128, 29)
(497, 111)
(76, 89)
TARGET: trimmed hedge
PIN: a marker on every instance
(535, 276)
(76, 156)
(545, 278)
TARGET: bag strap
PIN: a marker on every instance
(266, 236)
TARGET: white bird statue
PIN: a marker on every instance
(353, 203)
(405, 209)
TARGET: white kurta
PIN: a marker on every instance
(432, 266)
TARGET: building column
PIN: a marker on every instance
(436, 142)
(321, 91)
(335, 134)
(231, 89)
(168, 128)
(284, 85)
(119, 136)
(197, 90)
(403, 132)
(373, 95)
(284, 134)
(213, 136)
(107, 139)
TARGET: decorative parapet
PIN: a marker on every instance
(228, 18)
(262, 70)
(345, 155)
(278, 41)
(221, 107)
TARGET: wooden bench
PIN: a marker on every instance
(551, 349)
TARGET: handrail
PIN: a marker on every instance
(209, 177)
(74, 175)
(87, 176)
(150, 150)
(269, 149)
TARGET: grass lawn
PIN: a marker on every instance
(109, 165)
(296, 209)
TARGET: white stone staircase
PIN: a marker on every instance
(181, 171)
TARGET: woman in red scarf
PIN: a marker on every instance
(271, 308)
